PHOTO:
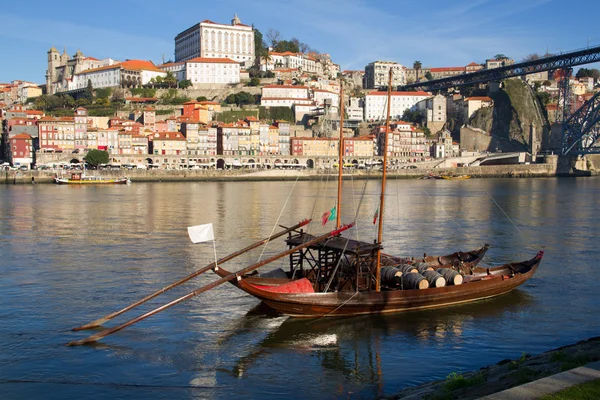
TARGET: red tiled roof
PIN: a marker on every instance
(140, 65)
(171, 64)
(168, 136)
(419, 93)
(132, 65)
(207, 60)
(284, 98)
(22, 136)
(447, 69)
(57, 119)
(284, 87)
(481, 98)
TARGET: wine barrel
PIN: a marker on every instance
(422, 267)
(387, 260)
(390, 275)
(406, 268)
(435, 279)
(452, 277)
(414, 280)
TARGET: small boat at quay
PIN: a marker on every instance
(79, 178)
(332, 275)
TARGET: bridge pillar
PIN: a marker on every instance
(534, 141)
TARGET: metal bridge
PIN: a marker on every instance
(581, 130)
(558, 61)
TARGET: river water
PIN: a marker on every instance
(69, 255)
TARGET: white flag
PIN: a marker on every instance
(201, 233)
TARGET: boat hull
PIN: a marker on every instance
(67, 181)
(483, 284)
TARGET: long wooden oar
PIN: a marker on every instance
(108, 317)
(234, 275)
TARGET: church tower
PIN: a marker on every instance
(53, 63)
(235, 20)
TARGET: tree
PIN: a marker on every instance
(89, 91)
(259, 45)
(417, 67)
(532, 57)
(266, 56)
(184, 84)
(103, 93)
(286, 45)
(254, 82)
(500, 56)
(428, 76)
(588, 73)
(68, 101)
(42, 103)
(170, 79)
(273, 37)
(82, 102)
(96, 157)
(201, 98)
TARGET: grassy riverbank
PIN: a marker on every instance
(506, 374)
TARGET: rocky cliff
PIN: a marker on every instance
(515, 108)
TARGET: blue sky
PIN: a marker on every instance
(355, 32)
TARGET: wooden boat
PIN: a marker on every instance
(298, 297)
(79, 178)
(456, 177)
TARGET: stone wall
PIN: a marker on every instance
(515, 171)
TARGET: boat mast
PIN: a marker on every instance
(338, 210)
(383, 180)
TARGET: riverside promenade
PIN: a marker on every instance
(183, 175)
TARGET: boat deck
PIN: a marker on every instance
(337, 244)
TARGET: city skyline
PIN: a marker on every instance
(353, 32)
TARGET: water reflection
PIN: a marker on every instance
(352, 346)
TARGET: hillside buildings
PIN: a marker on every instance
(376, 104)
(209, 39)
(205, 72)
(66, 74)
(377, 74)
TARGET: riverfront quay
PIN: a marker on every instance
(137, 175)
(553, 166)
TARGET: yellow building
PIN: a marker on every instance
(314, 147)
(273, 140)
(168, 143)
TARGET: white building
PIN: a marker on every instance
(285, 91)
(321, 95)
(285, 102)
(377, 74)
(284, 95)
(130, 72)
(212, 70)
(306, 63)
(209, 39)
(376, 104)
(354, 110)
(176, 68)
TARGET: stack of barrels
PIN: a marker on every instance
(419, 276)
